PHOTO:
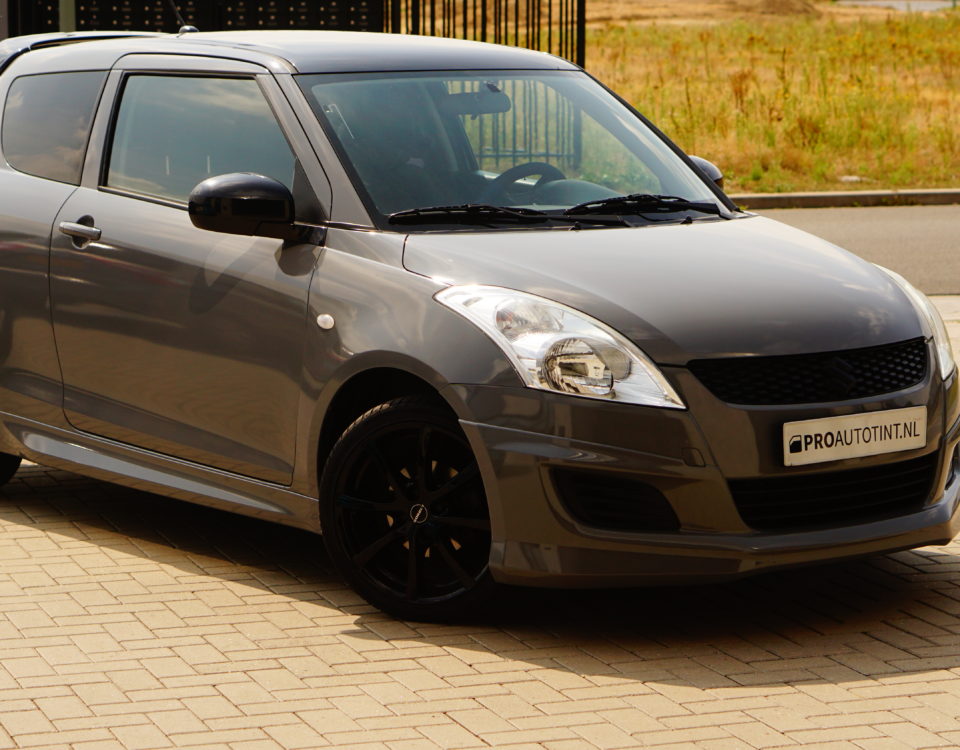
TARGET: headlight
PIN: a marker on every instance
(930, 313)
(557, 348)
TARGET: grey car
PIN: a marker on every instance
(455, 305)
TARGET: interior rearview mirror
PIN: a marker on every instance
(244, 203)
(488, 100)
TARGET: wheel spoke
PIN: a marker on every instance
(448, 557)
(348, 502)
(393, 478)
(413, 565)
(365, 555)
(469, 523)
(466, 475)
(424, 468)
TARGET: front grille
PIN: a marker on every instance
(835, 498)
(610, 501)
(812, 378)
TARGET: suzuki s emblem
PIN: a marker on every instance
(419, 513)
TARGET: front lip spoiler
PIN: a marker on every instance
(697, 561)
(704, 560)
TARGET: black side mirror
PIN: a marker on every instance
(244, 203)
(711, 170)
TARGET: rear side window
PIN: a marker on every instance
(46, 123)
(172, 132)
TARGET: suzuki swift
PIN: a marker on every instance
(456, 306)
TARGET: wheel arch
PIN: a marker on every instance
(364, 390)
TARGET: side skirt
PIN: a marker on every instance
(153, 472)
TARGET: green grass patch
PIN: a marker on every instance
(798, 103)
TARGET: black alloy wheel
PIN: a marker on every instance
(404, 514)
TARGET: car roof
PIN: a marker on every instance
(299, 51)
(15, 46)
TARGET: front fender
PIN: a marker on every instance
(383, 317)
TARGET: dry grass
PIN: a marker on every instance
(798, 101)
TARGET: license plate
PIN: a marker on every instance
(814, 441)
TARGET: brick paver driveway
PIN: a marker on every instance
(132, 621)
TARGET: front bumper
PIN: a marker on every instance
(522, 437)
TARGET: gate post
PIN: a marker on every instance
(68, 15)
(581, 33)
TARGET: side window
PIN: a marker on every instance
(46, 123)
(175, 131)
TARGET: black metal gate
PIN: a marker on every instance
(555, 26)
(36, 16)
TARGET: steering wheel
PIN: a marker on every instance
(496, 191)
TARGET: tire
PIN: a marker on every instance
(404, 514)
(8, 467)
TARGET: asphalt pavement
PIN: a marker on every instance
(920, 242)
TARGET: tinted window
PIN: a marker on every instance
(440, 138)
(173, 132)
(46, 122)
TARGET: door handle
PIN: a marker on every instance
(80, 231)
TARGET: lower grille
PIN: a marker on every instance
(836, 498)
(611, 501)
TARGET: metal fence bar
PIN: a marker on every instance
(556, 26)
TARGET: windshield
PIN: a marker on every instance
(548, 141)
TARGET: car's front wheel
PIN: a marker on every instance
(404, 513)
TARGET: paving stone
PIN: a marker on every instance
(132, 621)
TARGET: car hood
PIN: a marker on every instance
(748, 286)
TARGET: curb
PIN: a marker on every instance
(848, 199)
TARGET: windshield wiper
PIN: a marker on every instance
(469, 213)
(642, 203)
(482, 213)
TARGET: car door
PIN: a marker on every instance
(46, 124)
(174, 339)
